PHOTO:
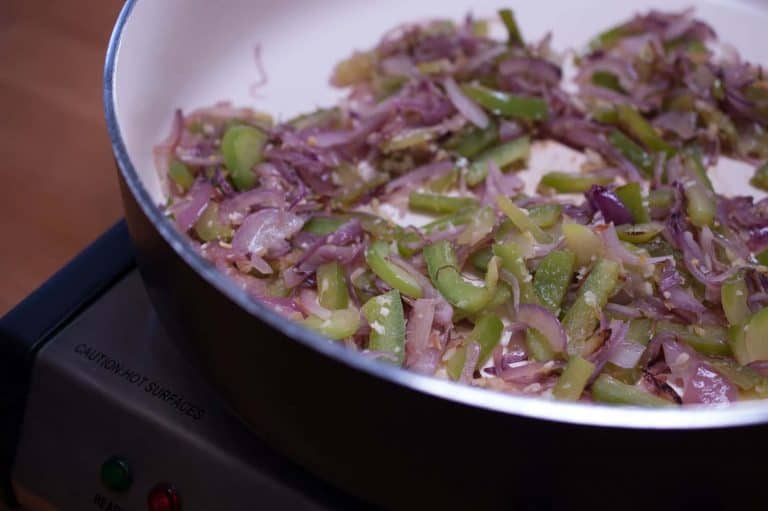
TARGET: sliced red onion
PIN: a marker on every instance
(428, 171)
(540, 69)
(686, 26)
(424, 104)
(634, 46)
(682, 124)
(761, 366)
(314, 172)
(261, 265)
(333, 138)
(693, 256)
(622, 69)
(626, 354)
(676, 355)
(705, 385)
(606, 201)
(399, 65)
(285, 306)
(369, 124)
(449, 233)
(164, 150)
(510, 130)
(192, 156)
(740, 106)
(264, 230)
(595, 91)
(670, 277)
(618, 332)
(464, 105)
(293, 277)
(653, 308)
(529, 372)
(653, 350)
(700, 381)
(484, 57)
(680, 300)
(536, 316)
(419, 329)
(310, 304)
(427, 363)
(707, 242)
(188, 210)
(228, 262)
(758, 239)
(578, 133)
(438, 46)
(616, 251)
(623, 310)
(236, 207)
(516, 350)
(257, 288)
(507, 276)
(497, 355)
(582, 213)
(497, 184)
(329, 253)
(472, 356)
(758, 300)
(177, 129)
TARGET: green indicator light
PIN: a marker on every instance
(116, 474)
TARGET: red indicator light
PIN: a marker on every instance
(164, 497)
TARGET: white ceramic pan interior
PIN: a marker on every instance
(189, 53)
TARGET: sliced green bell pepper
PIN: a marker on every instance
(340, 325)
(513, 31)
(582, 242)
(332, 290)
(733, 295)
(760, 179)
(377, 257)
(487, 333)
(584, 315)
(552, 278)
(209, 226)
(512, 261)
(508, 105)
(442, 266)
(574, 379)
(439, 204)
(502, 155)
(568, 182)
(181, 175)
(385, 316)
(522, 221)
(242, 147)
(641, 130)
(607, 389)
(632, 152)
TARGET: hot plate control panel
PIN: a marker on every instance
(118, 420)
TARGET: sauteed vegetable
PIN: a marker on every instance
(398, 222)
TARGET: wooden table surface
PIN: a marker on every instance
(59, 187)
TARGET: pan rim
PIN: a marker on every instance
(582, 414)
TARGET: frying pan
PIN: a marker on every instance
(394, 438)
